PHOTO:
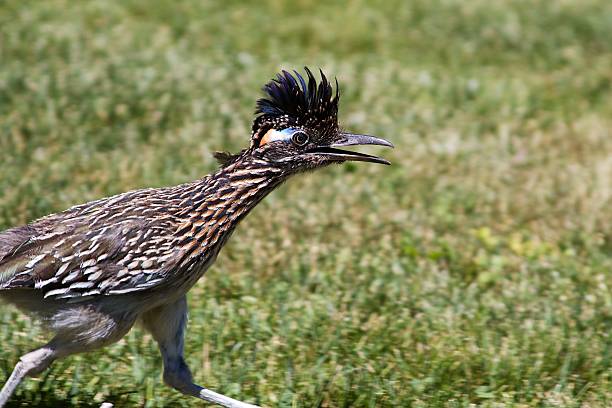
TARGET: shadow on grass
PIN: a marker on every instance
(50, 400)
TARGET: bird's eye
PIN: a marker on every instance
(299, 138)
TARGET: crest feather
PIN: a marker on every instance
(303, 100)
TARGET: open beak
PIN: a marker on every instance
(352, 139)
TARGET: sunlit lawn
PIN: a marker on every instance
(475, 270)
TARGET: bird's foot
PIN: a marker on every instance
(220, 399)
(181, 381)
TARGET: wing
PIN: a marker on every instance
(76, 262)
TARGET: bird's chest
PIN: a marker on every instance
(198, 262)
(201, 241)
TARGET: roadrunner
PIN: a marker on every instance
(90, 272)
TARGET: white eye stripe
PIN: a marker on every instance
(284, 134)
(274, 135)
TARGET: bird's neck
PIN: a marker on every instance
(238, 187)
(212, 207)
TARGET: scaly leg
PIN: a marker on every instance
(77, 330)
(29, 364)
(167, 325)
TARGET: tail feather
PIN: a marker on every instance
(11, 241)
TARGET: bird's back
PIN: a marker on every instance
(151, 239)
(109, 246)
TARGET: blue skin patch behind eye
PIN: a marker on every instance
(274, 135)
(284, 134)
(288, 131)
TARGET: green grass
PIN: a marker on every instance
(475, 270)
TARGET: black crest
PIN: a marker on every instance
(294, 100)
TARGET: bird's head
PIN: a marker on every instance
(296, 125)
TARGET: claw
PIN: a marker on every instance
(220, 399)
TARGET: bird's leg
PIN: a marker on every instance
(167, 325)
(77, 330)
(29, 364)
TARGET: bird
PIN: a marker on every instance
(93, 271)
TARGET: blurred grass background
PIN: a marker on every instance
(475, 270)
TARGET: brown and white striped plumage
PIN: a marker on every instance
(92, 271)
(137, 241)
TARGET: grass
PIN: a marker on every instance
(475, 270)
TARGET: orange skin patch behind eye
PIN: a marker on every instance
(266, 138)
